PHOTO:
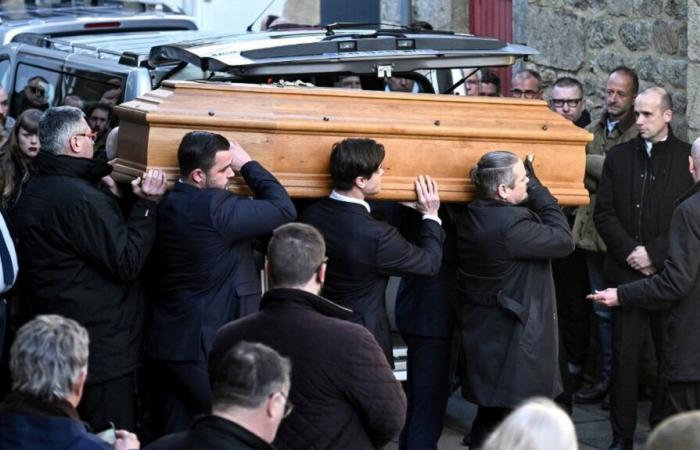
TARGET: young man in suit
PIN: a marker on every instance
(208, 273)
(363, 252)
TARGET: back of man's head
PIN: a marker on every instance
(247, 375)
(678, 432)
(352, 158)
(492, 170)
(198, 151)
(57, 126)
(48, 356)
(295, 254)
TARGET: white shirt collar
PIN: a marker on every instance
(648, 145)
(344, 198)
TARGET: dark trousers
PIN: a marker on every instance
(111, 401)
(630, 326)
(428, 387)
(487, 418)
(178, 392)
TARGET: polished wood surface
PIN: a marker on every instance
(290, 130)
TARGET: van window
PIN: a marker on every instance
(34, 88)
(5, 73)
(91, 88)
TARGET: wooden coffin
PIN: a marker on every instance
(290, 130)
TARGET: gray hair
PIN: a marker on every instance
(47, 356)
(679, 431)
(494, 169)
(57, 126)
(538, 424)
(247, 375)
(112, 143)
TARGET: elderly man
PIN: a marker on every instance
(49, 366)
(641, 181)
(508, 318)
(364, 252)
(250, 390)
(675, 288)
(208, 274)
(82, 258)
(526, 83)
(344, 392)
(615, 127)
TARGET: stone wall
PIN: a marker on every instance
(693, 84)
(586, 39)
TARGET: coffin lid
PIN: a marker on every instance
(357, 51)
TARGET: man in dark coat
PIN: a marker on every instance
(208, 274)
(49, 365)
(344, 393)
(364, 252)
(641, 181)
(675, 288)
(250, 390)
(508, 316)
(81, 258)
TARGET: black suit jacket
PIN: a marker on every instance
(362, 254)
(204, 249)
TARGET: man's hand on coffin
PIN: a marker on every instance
(151, 185)
(238, 156)
(534, 182)
(428, 196)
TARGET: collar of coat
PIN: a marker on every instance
(91, 170)
(689, 193)
(627, 121)
(21, 403)
(304, 300)
(670, 141)
(211, 426)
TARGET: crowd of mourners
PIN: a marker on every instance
(136, 317)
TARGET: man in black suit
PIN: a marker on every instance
(364, 252)
(208, 274)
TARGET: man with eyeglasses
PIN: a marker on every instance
(344, 392)
(250, 390)
(568, 101)
(526, 83)
(82, 257)
(617, 125)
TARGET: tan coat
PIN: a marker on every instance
(585, 234)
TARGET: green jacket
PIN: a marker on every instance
(585, 234)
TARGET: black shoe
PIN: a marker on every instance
(621, 444)
(592, 394)
(605, 404)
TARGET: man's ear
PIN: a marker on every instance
(502, 192)
(321, 274)
(668, 116)
(360, 182)
(198, 176)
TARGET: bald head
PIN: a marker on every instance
(652, 109)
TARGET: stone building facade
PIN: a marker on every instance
(586, 39)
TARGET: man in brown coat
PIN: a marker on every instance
(344, 393)
(615, 127)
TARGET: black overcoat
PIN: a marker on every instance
(677, 288)
(508, 312)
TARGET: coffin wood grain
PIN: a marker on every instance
(290, 130)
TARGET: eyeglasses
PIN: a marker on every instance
(523, 94)
(92, 135)
(288, 406)
(570, 102)
(37, 91)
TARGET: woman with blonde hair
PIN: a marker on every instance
(538, 424)
(16, 156)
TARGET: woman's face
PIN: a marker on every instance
(28, 142)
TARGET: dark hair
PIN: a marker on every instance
(15, 166)
(565, 82)
(352, 158)
(104, 107)
(631, 74)
(247, 375)
(490, 77)
(198, 150)
(294, 254)
(494, 169)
